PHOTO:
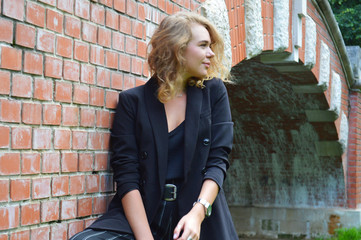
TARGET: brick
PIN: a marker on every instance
(108, 3)
(101, 162)
(64, 46)
(103, 77)
(33, 63)
(63, 92)
(142, 49)
(104, 37)
(62, 139)
(70, 116)
(60, 186)
(84, 207)
(52, 114)
(30, 214)
(10, 217)
(43, 89)
(14, 9)
(41, 138)
(169, 8)
(81, 51)
(89, 221)
(129, 81)
(131, 8)
(5, 136)
(89, 32)
(41, 188)
(11, 58)
(138, 29)
(92, 183)
(45, 41)
(25, 35)
(97, 14)
(69, 161)
(118, 41)
(130, 45)
(22, 86)
(85, 162)
(106, 183)
(95, 141)
(4, 193)
(51, 162)
(6, 33)
(50, 2)
(119, 5)
(117, 80)
(141, 12)
(31, 113)
(21, 137)
(87, 117)
(80, 141)
(124, 62)
(111, 59)
(10, 110)
(72, 26)
(75, 227)
(137, 65)
(9, 163)
(58, 231)
(20, 235)
(71, 70)
(54, 20)
(81, 94)
(103, 119)
(35, 14)
(99, 205)
(106, 139)
(49, 211)
(19, 189)
(53, 67)
(125, 25)
(68, 209)
(87, 74)
(30, 163)
(82, 9)
(41, 233)
(77, 184)
(146, 70)
(4, 82)
(111, 99)
(96, 96)
(97, 55)
(66, 5)
(111, 19)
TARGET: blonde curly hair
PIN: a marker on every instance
(168, 44)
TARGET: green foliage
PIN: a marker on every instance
(347, 14)
(345, 234)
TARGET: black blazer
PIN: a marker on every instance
(139, 142)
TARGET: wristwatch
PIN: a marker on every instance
(207, 206)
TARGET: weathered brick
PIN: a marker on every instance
(10, 110)
(62, 139)
(30, 214)
(4, 82)
(30, 163)
(64, 46)
(14, 9)
(5, 136)
(19, 189)
(81, 51)
(54, 20)
(11, 58)
(80, 142)
(117, 80)
(68, 209)
(81, 94)
(33, 63)
(41, 188)
(50, 211)
(66, 5)
(22, 86)
(9, 163)
(63, 92)
(97, 55)
(10, 217)
(35, 14)
(45, 41)
(82, 8)
(43, 89)
(87, 74)
(103, 77)
(51, 162)
(42, 138)
(72, 26)
(25, 35)
(87, 117)
(89, 32)
(6, 33)
(21, 137)
(77, 184)
(52, 114)
(97, 14)
(60, 186)
(85, 207)
(70, 116)
(53, 67)
(104, 37)
(71, 70)
(111, 19)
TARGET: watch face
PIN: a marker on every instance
(209, 211)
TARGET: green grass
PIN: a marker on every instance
(345, 234)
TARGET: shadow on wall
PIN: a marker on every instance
(274, 161)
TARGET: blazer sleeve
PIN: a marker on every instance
(124, 152)
(221, 135)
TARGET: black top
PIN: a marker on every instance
(175, 169)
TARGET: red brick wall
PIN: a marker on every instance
(62, 65)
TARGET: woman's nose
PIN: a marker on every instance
(210, 53)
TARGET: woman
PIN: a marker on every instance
(170, 142)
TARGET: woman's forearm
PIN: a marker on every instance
(136, 216)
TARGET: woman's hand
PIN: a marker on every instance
(190, 224)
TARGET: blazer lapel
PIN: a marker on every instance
(193, 110)
(158, 121)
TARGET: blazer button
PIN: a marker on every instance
(206, 141)
(144, 155)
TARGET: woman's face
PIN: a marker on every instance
(198, 53)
